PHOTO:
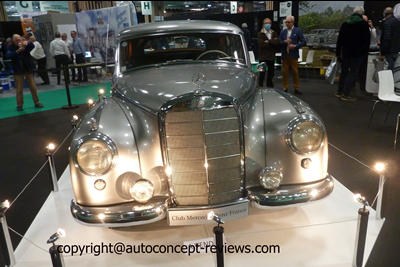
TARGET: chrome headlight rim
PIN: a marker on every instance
(293, 124)
(99, 137)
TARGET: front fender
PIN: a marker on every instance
(266, 121)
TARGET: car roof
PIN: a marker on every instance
(179, 26)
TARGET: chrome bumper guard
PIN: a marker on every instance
(291, 194)
(127, 214)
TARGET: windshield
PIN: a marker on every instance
(178, 48)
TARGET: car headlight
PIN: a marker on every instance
(305, 134)
(270, 178)
(142, 190)
(95, 155)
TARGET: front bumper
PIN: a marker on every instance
(291, 194)
(121, 215)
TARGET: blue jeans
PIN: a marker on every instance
(391, 60)
(350, 67)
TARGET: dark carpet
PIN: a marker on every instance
(353, 151)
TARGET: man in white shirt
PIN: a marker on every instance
(59, 51)
(38, 54)
(64, 37)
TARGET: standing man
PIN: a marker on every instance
(291, 40)
(64, 37)
(390, 38)
(23, 67)
(38, 54)
(351, 48)
(268, 43)
(59, 51)
(247, 36)
(362, 72)
(79, 50)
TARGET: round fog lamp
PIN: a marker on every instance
(270, 178)
(142, 190)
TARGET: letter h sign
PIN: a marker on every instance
(146, 8)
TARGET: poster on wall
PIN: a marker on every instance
(60, 6)
(42, 31)
(285, 9)
(27, 22)
(321, 21)
(49, 31)
(98, 29)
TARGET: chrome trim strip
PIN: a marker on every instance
(297, 104)
(238, 201)
(288, 194)
(97, 115)
(120, 215)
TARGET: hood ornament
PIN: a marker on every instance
(198, 80)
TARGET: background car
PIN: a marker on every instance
(188, 132)
(315, 38)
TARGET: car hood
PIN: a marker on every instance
(153, 86)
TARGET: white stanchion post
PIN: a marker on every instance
(9, 254)
(378, 214)
(52, 166)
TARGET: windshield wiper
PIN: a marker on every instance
(175, 61)
(230, 59)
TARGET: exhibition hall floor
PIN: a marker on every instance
(314, 234)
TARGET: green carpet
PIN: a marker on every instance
(52, 99)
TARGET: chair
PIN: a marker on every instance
(278, 63)
(98, 70)
(386, 93)
(252, 58)
(309, 61)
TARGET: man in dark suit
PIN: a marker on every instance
(23, 68)
(291, 40)
(390, 38)
(351, 48)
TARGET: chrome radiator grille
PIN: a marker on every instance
(203, 153)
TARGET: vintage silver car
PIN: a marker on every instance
(187, 131)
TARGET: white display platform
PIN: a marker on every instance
(317, 234)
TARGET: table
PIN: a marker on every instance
(94, 65)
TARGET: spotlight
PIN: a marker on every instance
(74, 121)
(380, 167)
(55, 254)
(101, 92)
(50, 148)
(5, 204)
(90, 104)
(360, 199)
(218, 237)
(212, 216)
(57, 235)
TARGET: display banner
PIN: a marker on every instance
(61, 6)
(234, 7)
(99, 28)
(27, 22)
(24, 6)
(285, 9)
